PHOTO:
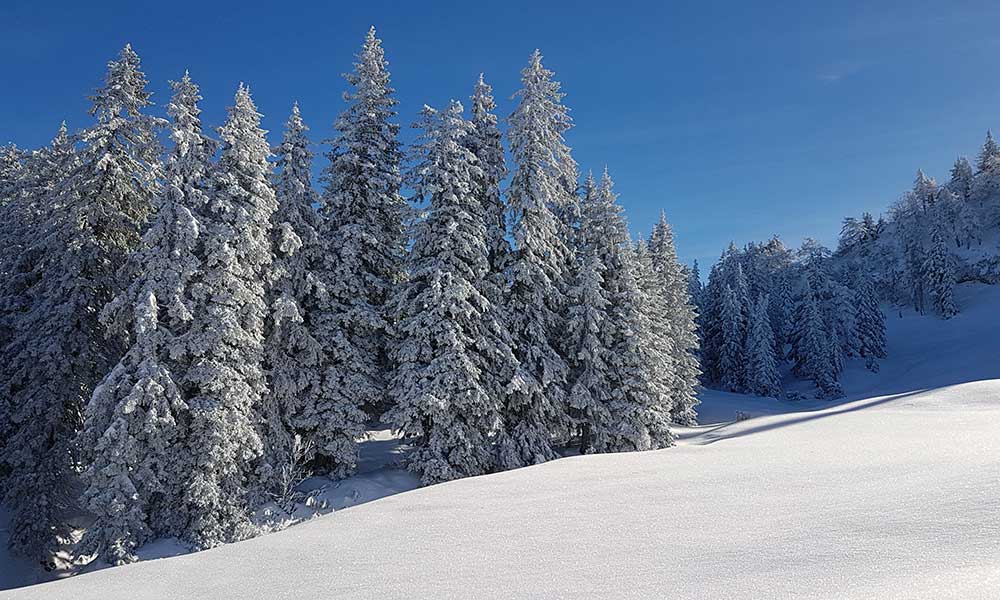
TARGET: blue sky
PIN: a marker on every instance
(740, 121)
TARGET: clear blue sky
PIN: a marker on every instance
(739, 121)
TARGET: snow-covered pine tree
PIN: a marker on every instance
(536, 411)
(858, 234)
(762, 376)
(709, 323)
(989, 155)
(11, 176)
(296, 361)
(957, 218)
(924, 191)
(365, 244)
(617, 337)
(101, 206)
(910, 221)
(731, 358)
(485, 142)
(587, 341)
(986, 184)
(32, 204)
(10, 173)
(695, 287)
(810, 344)
(541, 109)
(961, 178)
(870, 322)
(741, 288)
(226, 337)
(447, 335)
(134, 465)
(781, 307)
(590, 379)
(134, 422)
(642, 411)
(839, 313)
(963, 219)
(681, 327)
(939, 271)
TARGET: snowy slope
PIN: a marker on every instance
(893, 493)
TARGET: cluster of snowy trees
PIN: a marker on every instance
(765, 306)
(915, 252)
(181, 332)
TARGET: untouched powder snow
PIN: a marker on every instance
(892, 493)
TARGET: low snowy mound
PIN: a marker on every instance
(894, 493)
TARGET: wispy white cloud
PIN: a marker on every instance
(838, 71)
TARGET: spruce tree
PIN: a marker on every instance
(485, 143)
(940, 274)
(710, 323)
(924, 191)
(100, 207)
(989, 155)
(11, 182)
(762, 376)
(363, 232)
(681, 328)
(25, 262)
(986, 184)
(10, 173)
(296, 360)
(226, 337)
(695, 287)
(731, 358)
(781, 309)
(642, 412)
(870, 323)
(134, 426)
(961, 178)
(962, 218)
(541, 111)
(590, 379)
(536, 411)
(134, 465)
(810, 344)
(588, 337)
(448, 336)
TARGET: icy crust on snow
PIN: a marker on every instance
(892, 493)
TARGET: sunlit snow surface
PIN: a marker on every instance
(892, 493)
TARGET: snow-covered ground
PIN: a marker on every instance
(893, 492)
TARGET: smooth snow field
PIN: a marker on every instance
(892, 493)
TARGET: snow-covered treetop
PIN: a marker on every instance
(295, 159)
(365, 155)
(989, 156)
(192, 149)
(123, 143)
(536, 132)
(124, 89)
(604, 220)
(488, 145)
(662, 240)
(245, 150)
(444, 164)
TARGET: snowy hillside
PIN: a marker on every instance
(892, 493)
